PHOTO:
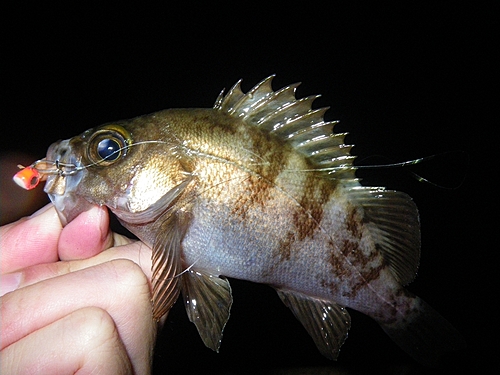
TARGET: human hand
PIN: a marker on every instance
(72, 303)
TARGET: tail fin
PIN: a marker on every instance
(425, 334)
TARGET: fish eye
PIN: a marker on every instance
(108, 144)
(109, 149)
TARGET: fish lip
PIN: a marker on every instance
(63, 180)
(62, 187)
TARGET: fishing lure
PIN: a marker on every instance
(29, 177)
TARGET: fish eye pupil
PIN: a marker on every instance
(109, 149)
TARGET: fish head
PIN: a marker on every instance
(127, 166)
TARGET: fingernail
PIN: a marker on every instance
(94, 216)
(9, 282)
(103, 223)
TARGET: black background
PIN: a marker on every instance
(405, 80)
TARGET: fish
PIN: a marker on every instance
(258, 188)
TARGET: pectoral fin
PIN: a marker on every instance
(167, 264)
(169, 224)
(326, 322)
(208, 300)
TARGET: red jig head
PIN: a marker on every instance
(28, 177)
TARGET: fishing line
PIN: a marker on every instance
(417, 176)
(52, 167)
(188, 269)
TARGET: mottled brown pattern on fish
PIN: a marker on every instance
(363, 263)
(351, 245)
(282, 253)
(399, 302)
(350, 249)
(256, 191)
(367, 275)
(366, 266)
(258, 188)
(331, 285)
(285, 248)
(307, 218)
(354, 226)
(214, 123)
(337, 263)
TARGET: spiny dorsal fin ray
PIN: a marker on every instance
(225, 103)
(294, 121)
(272, 105)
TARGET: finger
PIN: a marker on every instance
(133, 250)
(87, 235)
(30, 240)
(119, 287)
(84, 341)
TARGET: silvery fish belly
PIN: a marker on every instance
(259, 188)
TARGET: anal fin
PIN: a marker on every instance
(326, 322)
(208, 301)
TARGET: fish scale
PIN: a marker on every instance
(260, 188)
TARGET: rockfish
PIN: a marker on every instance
(259, 188)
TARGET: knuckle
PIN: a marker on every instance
(94, 326)
(128, 272)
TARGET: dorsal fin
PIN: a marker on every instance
(294, 121)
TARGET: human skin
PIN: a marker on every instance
(75, 300)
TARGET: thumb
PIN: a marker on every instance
(87, 235)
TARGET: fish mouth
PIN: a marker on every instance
(62, 182)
